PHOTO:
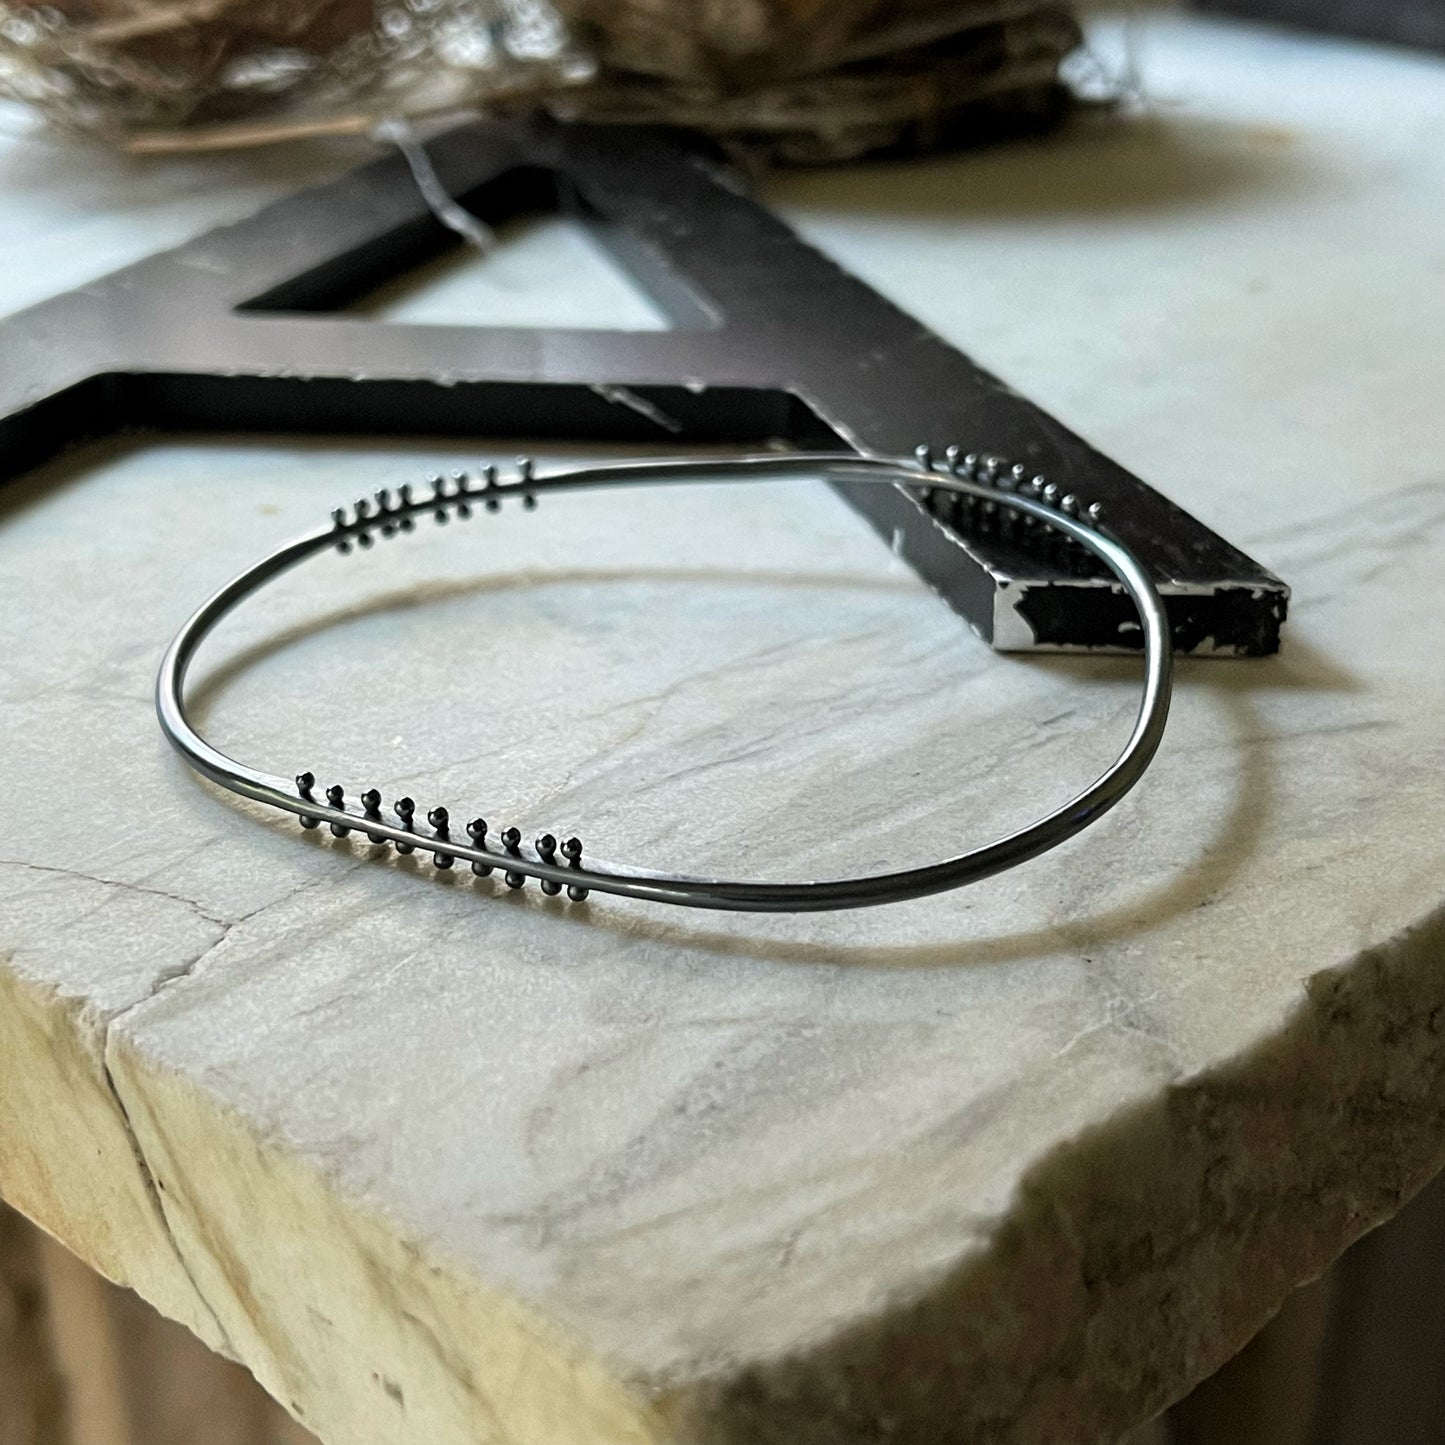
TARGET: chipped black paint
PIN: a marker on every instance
(771, 341)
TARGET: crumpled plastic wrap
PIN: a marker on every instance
(803, 80)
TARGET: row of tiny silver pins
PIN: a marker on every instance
(994, 471)
(546, 845)
(390, 513)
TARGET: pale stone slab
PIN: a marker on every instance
(449, 1165)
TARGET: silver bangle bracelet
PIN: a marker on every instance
(560, 866)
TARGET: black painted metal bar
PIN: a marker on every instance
(239, 329)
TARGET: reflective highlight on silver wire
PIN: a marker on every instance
(560, 865)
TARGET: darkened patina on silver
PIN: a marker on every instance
(983, 484)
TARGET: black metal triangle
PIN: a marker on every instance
(770, 340)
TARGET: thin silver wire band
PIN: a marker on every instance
(578, 878)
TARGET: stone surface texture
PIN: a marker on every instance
(445, 1164)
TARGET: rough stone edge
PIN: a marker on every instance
(1140, 1256)
(69, 1161)
(366, 1337)
(1135, 1260)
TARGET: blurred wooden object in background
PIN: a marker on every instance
(83, 1362)
(1268, 1394)
(31, 1396)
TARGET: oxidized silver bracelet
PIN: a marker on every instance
(560, 866)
